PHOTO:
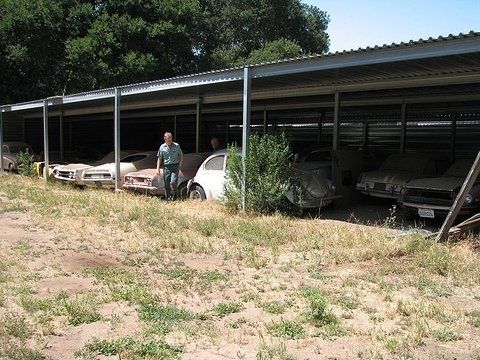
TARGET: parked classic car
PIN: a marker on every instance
(149, 182)
(104, 175)
(313, 186)
(433, 197)
(310, 178)
(395, 171)
(72, 173)
(11, 150)
(209, 180)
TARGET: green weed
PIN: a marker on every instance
(287, 329)
(224, 309)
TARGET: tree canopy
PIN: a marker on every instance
(66, 46)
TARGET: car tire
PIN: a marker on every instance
(10, 167)
(182, 191)
(197, 193)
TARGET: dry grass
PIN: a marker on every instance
(267, 286)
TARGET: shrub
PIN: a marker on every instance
(269, 168)
(25, 163)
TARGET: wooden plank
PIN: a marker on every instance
(460, 199)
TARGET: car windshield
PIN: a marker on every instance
(405, 162)
(459, 168)
(133, 158)
(319, 156)
(16, 148)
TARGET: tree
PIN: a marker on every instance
(231, 30)
(64, 46)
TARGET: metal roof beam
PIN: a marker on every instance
(399, 53)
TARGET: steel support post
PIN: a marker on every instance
(175, 127)
(320, 125)
(453, 139)
(403, 133)
(336, 121)
(265, 121)
(365, 136)
(61, 137)
(45, 140)
(197, 124)
(227, 133)
(1, 139)
(247, 84)
(117, 138)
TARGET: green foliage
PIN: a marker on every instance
(271, 51)
(81, 311)
(25, 163)
(129, 347)
(163, 317)
(287, 329)
(54, 47)
(268, 172)
(224, 309)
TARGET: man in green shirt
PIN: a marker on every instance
(171, 155)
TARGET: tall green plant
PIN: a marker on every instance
(25, 163)
(268, 173)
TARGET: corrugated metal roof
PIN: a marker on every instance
(292, 66)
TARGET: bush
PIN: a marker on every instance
(269, 167)
(25, 163)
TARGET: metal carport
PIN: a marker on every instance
(422, 75)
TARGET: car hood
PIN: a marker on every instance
(440, 183)
(389, 177)
(70, 167)
(146, 173)
(110, 167)
(312, 165)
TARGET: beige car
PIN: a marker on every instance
(11, 150)
(104, 175)
(396, 171)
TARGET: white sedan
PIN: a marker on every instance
(104, 175)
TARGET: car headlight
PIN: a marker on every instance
(469, 199)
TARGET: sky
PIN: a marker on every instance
(354, 24)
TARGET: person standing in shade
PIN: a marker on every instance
(171, 155)
(215, 143)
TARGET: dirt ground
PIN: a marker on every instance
(242, 310)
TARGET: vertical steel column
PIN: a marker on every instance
(265, 120)
(1, 139)
(197, 124)
(45, 139)
(175, 127)
(61, 136)
(227, 133)
(117, 138)
(453, 139)
(403, 134)
(365, 136)
(336, 121)
(247, 83)
(320, 124)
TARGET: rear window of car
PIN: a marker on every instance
(405, 162)
(215, 163)
(134, 158)
(459, 168)
(319, 156)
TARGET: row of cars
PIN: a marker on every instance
(202, 176)
(423, 184)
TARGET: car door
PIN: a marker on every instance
(213, 178)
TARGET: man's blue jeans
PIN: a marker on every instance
(170, 177)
